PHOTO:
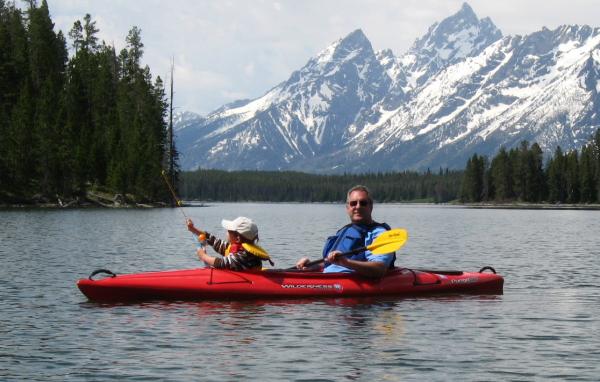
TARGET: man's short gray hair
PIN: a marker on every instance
(362, 188)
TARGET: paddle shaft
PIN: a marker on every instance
(353, 252)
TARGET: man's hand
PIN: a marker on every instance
(335, 257)
(301, 264)
(365, 268)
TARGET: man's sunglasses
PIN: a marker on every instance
(363, 203)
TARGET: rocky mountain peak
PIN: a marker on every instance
(461, 89)
(355, 46)
(453, 39)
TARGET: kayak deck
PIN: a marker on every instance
(210, 283)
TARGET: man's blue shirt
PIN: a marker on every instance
(371, 235)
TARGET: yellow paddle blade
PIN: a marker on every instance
(389, 241)
(385, 248)
(256, 250)
(396, 234)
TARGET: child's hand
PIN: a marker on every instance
(190, 225)
(202, 239)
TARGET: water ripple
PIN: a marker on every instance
(544, 327)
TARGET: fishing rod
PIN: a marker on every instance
(201, 235)
(177, 201)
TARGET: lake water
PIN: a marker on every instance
(544, 327)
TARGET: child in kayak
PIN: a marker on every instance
(240, 251)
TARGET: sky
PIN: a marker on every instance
(226, 50)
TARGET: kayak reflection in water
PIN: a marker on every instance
(240, 251)
(361, 232)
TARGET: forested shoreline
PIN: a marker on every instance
(288, 186)
(94, 122)
(91, 129)
(518, 177)
(521, 175)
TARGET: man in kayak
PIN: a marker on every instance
(361, 232)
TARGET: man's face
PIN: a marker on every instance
(359, 207)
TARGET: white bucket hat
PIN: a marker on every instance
(242, 225)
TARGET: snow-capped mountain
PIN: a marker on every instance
(304, 117)
(448, 42)
(461, 88)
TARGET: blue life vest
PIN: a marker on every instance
(350, 237)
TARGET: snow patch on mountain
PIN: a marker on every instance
(461, 88)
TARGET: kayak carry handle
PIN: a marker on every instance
(97, 271)
(416, 279)
(486, 269)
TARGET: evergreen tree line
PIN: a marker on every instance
(273, 186)
(520, 175)
(69, 124)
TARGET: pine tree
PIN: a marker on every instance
(138, 145)
(104, 115)
(48, 56)
(21, 163)
(519, 169)
(172, 155)
(572, 176)
(528, 172)
(85, 107)
(15, 99)
(557, 185)
(587, 174)
(473, 185)
(537, 180)
(502, 177)
(6, 101)
(596, 153)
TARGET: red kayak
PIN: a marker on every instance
(209, 283)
